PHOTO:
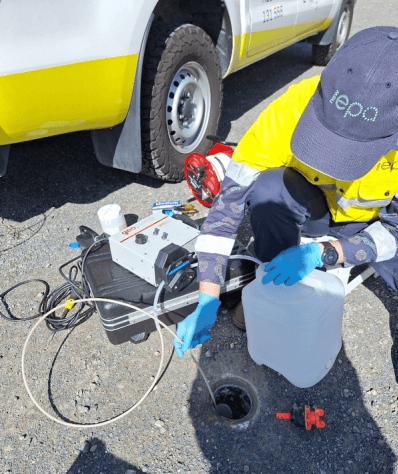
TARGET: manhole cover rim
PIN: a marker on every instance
(245, 386)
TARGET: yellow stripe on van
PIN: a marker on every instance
(68, 98)
(273, 40)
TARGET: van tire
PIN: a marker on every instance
(322, 54)
(171, 49)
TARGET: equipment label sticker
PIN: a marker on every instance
(141, 228)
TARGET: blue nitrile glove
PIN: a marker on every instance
(193, 330)
(293, 264)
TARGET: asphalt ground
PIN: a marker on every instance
(55, 185)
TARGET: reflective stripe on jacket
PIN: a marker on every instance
(267, 145)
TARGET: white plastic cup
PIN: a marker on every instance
(112, 219)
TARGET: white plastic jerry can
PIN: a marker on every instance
(295, 330)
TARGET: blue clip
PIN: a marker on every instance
(168, 212)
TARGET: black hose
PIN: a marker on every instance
(71, 289)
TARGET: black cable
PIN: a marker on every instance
(75, 289)
(71, 289)
(12, 318)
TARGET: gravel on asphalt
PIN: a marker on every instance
(55, 185)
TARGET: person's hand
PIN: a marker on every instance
(293, 264)
(193, 330)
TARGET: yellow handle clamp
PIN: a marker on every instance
(189, 209)
(69, 304)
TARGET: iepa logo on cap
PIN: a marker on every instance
(353, 109)
(359, 85)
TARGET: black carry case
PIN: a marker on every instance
(109, 280)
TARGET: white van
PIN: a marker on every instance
(145, 76)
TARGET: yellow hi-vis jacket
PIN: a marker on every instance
(267, 145)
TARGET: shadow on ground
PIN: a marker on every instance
(101, 461)
(51, 172)
(270, 446)
(389, 300)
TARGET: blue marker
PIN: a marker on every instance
(165, 204)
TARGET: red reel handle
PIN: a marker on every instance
(201, 178)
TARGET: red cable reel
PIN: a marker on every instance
(204, 174)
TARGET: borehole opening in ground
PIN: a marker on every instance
(233, 400)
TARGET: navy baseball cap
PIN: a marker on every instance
(351, 120)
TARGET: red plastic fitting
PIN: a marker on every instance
(283, 416)
(304, 417)
(313, 418)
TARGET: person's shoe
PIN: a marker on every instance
(238, 317)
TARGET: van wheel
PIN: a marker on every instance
(181, 98)
(322, 54)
